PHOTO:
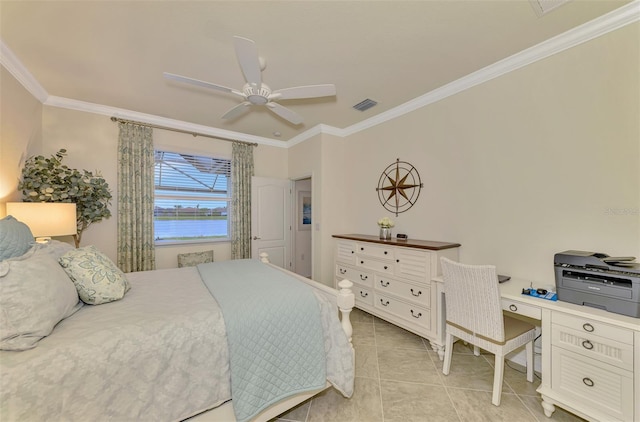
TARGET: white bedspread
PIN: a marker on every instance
(133, 359)
(159, 354)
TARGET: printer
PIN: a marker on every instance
(598, 280)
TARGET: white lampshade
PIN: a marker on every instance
(45, 218)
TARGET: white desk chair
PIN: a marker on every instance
(474, 315)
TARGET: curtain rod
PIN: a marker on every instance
(117, 119)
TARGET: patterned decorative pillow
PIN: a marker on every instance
(35, 295)
(97, 279)
(191, 259)
(15, 238)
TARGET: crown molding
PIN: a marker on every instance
(17, 69)
(602, 25)
(151, 119)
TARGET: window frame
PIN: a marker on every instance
(180, 195)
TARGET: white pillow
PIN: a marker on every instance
(35, 295)
(97, 279)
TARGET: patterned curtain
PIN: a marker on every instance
(136, 247)
(241, 172)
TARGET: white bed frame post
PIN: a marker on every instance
(346, 301)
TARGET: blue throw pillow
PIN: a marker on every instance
(15, 238)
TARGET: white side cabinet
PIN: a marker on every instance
(592, 368)
(393, 280)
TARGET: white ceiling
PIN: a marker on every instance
(113, 53)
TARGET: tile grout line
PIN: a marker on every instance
(375, 342)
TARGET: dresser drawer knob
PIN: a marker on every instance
(397, 260)
(587, 345)
(384, 284)
(588, 327)
(363, 277)
(513, 308)
(362, 249)
(588, 382)
(384, 303)
(385, 252)
(419, 314)
(363, 294)
(362, 262)
(386, 268)
(416, 295)
(343, 271)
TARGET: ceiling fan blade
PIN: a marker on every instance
(249, 60)
(237, 110)
(285, 113)
(309, 91)
(198, 82)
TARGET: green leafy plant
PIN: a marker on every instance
(48, 180)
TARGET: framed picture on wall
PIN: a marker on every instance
(304, 210)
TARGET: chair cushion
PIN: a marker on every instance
(513, 328)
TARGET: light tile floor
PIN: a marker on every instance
(399, 378)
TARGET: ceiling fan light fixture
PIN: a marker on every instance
(255, 95)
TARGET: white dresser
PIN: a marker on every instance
(393, 280)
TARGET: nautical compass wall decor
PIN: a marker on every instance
(399, 187)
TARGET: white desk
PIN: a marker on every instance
(590, 357)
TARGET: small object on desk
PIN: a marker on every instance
(541, 293)
(401, 236)
(503, 278)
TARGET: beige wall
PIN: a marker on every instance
(91, 143)
(535, 162)
(20, 134)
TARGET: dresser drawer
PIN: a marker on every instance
(413, 265)
(415, 314)
(355, 275)
(603, 349)
(346, 252)
(589, 382)
(374, 265)
(363, 294)
(521, 308)
(375, 251)
(408, 291)
(589, 326)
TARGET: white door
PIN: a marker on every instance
(270, 219)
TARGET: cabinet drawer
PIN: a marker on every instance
(346, 252)
(521, 308)
(593, 384)
(589, 326)
(592, 346)
(363, 294)
(415, 314)
(408, 291)
(354, 275)
(375, 251)
(413, 265)
(372, 264)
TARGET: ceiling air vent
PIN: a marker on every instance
(543, 7)
(365, 104)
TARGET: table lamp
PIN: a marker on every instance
(46, 219)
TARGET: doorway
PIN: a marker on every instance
(302, 227)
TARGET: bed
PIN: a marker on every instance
(166, 350)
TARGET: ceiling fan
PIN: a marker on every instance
(255, 92)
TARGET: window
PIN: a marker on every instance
(192, 197)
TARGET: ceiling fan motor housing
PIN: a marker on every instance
(255, 95)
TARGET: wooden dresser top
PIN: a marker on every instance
(409, 243)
